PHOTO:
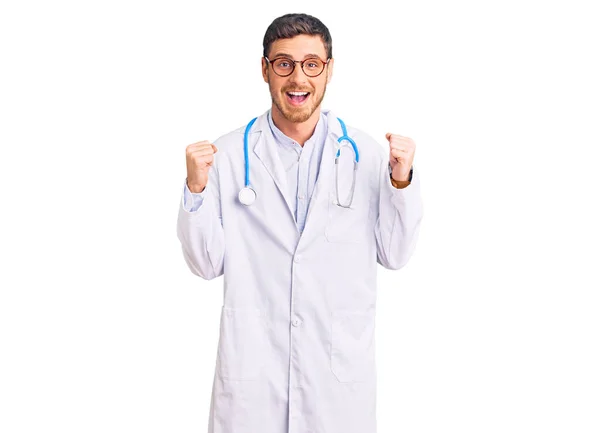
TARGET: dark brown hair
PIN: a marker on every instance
(290, 25)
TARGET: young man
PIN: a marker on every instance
(297, 230)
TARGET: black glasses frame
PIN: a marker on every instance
(325, 63)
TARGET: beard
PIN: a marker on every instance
(296, 114)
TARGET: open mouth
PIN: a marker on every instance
(297, 98)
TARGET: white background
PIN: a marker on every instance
(493, 326)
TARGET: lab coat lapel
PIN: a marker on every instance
(265, 150)
(320, 196)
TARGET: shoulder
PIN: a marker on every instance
(369, 148)
(229, 149)
(230, 141)
(233, 141)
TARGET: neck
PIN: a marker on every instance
(299, 132)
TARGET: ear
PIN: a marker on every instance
(265, 69)
(329, 70)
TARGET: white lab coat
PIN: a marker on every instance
(296, 351)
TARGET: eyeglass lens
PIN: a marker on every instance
(311, 67)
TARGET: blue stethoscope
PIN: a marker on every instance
(247, 195)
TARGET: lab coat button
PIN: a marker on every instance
(297, 259)
(296, 322)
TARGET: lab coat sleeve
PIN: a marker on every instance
(200, 230)
(192, 200)
(399, 219)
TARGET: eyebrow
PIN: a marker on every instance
(291, 57)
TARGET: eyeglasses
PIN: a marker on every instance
(283, 66)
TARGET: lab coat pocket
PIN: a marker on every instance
(353, 345)
(241, 343)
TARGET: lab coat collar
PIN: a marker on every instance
(333, 125)
(266, 151)
(334, 128)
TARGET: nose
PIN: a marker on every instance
(297, 75)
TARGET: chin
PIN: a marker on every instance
(295, 115)
(298, 116)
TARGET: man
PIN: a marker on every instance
(297, 237)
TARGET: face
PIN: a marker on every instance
(294, 108)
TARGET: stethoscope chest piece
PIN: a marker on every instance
(247, 196)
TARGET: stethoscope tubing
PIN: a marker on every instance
(247, 167)
(342, 138)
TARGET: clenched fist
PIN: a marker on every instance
(199, 158)
(402, 153)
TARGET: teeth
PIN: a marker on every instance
(298, 93)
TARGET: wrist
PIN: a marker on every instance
(195, 188)
(400, 183)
